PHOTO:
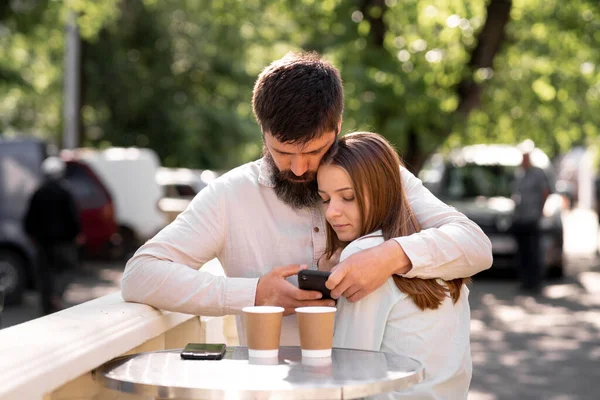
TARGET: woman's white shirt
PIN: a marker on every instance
(388, 320)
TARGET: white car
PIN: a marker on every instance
(180, 186)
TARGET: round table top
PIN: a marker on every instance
(347, 374)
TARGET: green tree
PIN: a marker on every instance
(31, 61)
(546, 85)
(177, 75)
(411, 67)
(442, 74)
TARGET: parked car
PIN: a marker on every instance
(96, 208)
(180, 186)
(130, 176)
(478, 181)
(20, 175)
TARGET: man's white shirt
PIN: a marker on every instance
(239, 220)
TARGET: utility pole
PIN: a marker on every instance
(72, 82)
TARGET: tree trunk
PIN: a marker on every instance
(373, 11)
(413, 155)
(489, 40)
(488, 44)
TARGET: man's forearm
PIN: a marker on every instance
(398, 261)
(176, 287)
(455, 250)
(449, 245)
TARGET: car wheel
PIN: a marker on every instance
(12, 276)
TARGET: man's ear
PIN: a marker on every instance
(339, 127)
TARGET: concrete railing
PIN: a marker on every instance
(53, 357)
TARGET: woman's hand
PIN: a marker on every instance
(327, 264)
(366, 270)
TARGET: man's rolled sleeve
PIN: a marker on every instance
(417, 251)
(449, 245)
(239, 293)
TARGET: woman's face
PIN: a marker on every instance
(339, 202)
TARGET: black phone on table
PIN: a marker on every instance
(203, 351)
(310, 279)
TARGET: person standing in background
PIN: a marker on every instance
(52, 222)
(531, 191)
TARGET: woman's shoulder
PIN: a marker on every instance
(369, 240)
(362, 243)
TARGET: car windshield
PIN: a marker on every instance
(473, 180)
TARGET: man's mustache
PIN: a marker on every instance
(291, 177)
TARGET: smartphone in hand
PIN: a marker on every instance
(203, 351)
(310, 279)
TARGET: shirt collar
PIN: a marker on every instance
(265, 176)
(376, 233)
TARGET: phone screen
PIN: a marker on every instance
(203, 351)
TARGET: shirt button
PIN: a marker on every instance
(316, 229)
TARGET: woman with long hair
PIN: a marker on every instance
(361, 185)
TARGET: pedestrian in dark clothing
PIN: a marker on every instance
(52, 221)
(531, 191)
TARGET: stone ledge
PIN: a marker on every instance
(40, 356)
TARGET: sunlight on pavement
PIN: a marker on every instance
(534, 347)
(562, 291)
(508, 314)
(590, 281)
(112, 275)
(581, 232)
(79, 293)
(477, 326)
(591, 317)
(473, 395)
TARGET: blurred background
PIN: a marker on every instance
(147, 101)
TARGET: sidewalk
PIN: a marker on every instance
(581, 233)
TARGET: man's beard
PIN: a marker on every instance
(297, 191)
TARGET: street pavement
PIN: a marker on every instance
(542, 347)
(523, 347)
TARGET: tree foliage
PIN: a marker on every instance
(31, 61)
(177, 75)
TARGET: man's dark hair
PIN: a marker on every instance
(298, 98)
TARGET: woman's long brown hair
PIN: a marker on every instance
(374, 168)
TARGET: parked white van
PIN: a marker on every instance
(130, 176)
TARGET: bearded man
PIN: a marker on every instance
(264, 222)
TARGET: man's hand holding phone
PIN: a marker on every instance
(274, 290)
